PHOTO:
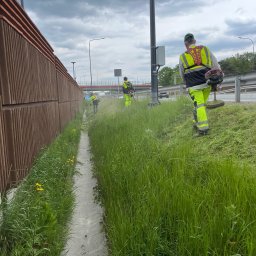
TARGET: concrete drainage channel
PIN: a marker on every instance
(86, 231)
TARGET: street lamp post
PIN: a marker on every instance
(73, 62)
(154, 82)
(90, 54)
(240, 37)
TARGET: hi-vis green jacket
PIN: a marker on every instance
(194, 63)
(127, 87)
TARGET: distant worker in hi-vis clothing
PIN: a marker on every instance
(128, 91)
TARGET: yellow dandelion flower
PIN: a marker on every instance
(39, 187)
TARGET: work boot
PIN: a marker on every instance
(202, 133)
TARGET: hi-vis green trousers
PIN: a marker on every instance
(128, 100)
(200, 97)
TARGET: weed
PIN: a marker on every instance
(167, 193)
(35, 221)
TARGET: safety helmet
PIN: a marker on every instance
(188, 37)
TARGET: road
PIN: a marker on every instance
(229, 97)
(244, 97)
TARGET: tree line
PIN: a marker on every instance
(235, 65)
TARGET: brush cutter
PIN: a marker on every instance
(214, 78)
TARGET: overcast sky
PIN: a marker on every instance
(125, 24)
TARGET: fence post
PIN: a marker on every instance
(181, 89)
(237, 89)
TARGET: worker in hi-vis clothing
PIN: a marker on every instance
(193, 64)
(95, 102)
(128, 92)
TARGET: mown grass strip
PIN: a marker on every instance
(167, 193)
(35, 221)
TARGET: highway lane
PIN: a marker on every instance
(244, 97)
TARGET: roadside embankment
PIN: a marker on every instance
(168, 193)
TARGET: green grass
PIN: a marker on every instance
(35, 222)
(167, 193)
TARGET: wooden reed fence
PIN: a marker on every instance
(37, 95)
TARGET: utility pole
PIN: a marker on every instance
(22, 3)
(154, 71)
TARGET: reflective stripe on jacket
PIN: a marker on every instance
(194, 72)
(126, 88)
(93, 97)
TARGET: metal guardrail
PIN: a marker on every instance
(231, 84)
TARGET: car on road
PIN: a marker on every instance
(163, 95)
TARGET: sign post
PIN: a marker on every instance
(118, 73)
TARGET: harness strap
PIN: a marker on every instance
(196, 54)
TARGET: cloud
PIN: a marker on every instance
(61, 8)
(241, 27)
(125, 25)
(177, 8)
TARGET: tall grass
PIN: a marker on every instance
(163, 192)
(35, 221)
